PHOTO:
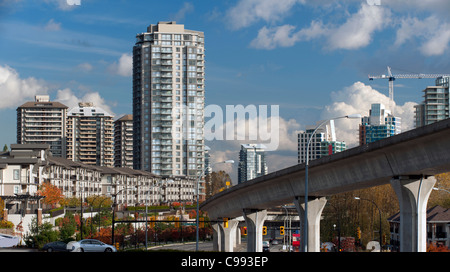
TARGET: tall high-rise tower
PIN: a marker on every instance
(168, 100)
(90, 135)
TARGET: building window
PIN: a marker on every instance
(16, 174)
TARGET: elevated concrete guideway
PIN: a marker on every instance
(405, 160)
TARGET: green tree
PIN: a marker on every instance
(41, 234)
(5, 148)
(67, 227)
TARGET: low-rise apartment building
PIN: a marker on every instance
(26, 167)
(438, 227)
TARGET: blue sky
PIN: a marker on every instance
(309, 57)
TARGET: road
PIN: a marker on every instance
(208, 246)
(17, 249)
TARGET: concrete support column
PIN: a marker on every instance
(238, 236)
(5, 214)
(412, 193)
(228, 235)
(315, 208)
(39, 216)
(216, 237)
(255, 221)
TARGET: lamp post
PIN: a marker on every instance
(339, 225)
(113, 212)
(305, 223)
(198, 185)
(440, 189)
(358, 198)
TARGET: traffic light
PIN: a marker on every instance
(281, 230)
(177, 222)
(264, 230)
(152, 221)
(358, 233)
(225, 222)
(244, 230)
(202, 222)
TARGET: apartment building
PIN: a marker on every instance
(90, 135)
(435, 106)
(43, 122)
(27, 166)
(22, 169)
(123, 141)
(168, 100)
(438, 227)
(323, 142)
(378, 125)
(252, 162)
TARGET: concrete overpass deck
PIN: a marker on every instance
(410, 156)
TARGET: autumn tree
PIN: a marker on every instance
(441, 197)
(215, 182)
(344, 211)
(53, 195)
(99, 201)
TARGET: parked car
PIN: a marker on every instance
(90, 245)
(55, 246)
(266, 246)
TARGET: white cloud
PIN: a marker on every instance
(274, 37)
(124, 67)
(16, 90)
(247, 12)
(358, 30)
(355, 33)
(185, 9)
(228, 149)
(432, 32)
(52, 26)
(358, 98)
(64, 5)
(285, 36)
(68, 98)
(85, 66)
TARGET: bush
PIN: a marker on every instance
(6, 224)
(39, 235)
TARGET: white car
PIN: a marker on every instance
(90, 245)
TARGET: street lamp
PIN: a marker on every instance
(305, 223)
(113, 211)
(152, 187)
(358, 198)
(198, 185)
(440, 189)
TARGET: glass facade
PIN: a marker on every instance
(323, 142)
(252, 162)
(378, 125)
(435, 106)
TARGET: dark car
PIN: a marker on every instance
(266, 246)
(55, 246)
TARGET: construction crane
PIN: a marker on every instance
(392, 77)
